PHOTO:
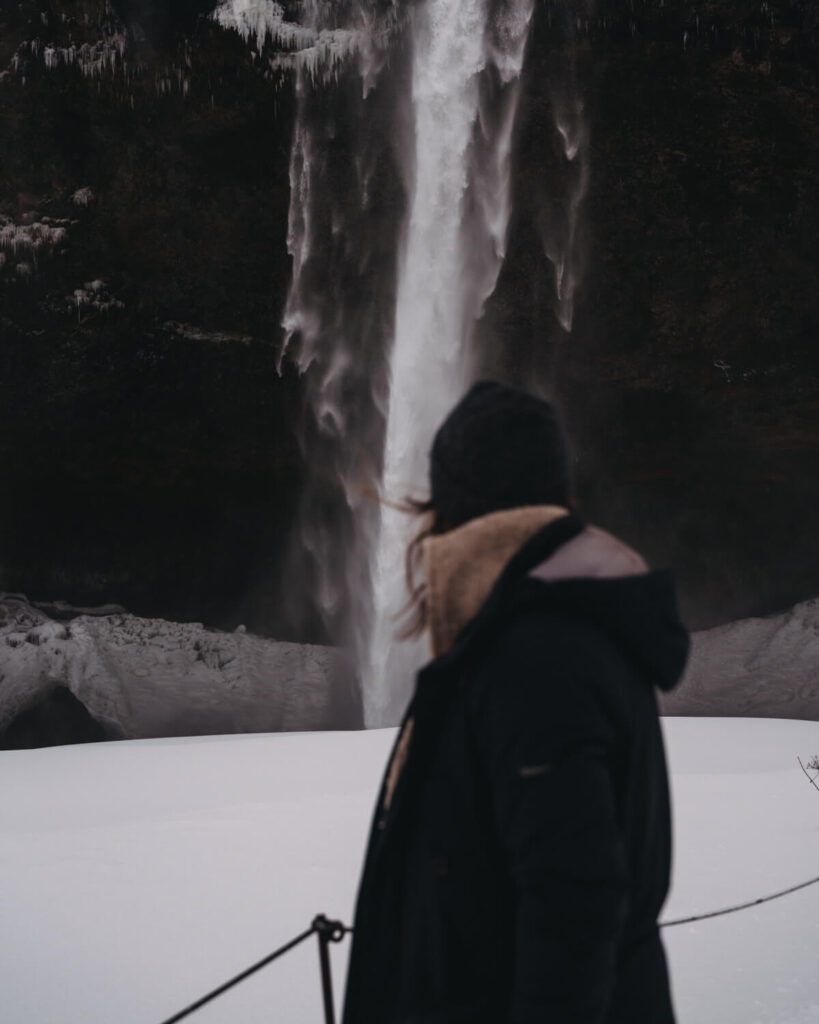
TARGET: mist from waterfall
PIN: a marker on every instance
(453, 250)
(400, 206)
(346, 207)
(560, 230)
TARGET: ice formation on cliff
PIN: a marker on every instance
(31, 235)
(83, 196)
(319, 47)
(262, 20)
(93, 295)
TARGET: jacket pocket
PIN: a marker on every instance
(532, 771)
(474, 1012)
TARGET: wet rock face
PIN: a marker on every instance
(690, 378)
(151, 451)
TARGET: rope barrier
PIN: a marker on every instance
(334, 931)
(740, 906)
(327, 931)
(762, 899)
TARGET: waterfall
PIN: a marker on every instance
(453, 250)
(346, 207)
(561, 236)
(400, 203)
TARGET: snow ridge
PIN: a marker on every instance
(760, 667)
(149, 677)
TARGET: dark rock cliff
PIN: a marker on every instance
(147, 442)
(690, 378)
(149, 448)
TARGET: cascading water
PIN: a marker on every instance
(560, 232)
(400, 207)
(345, 212)
(357, 296)
(346, 209)
(454, 247)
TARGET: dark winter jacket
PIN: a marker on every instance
(516, 873)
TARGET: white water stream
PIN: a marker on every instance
(454, 248)
(467, 58)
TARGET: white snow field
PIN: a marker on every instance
(138, 875)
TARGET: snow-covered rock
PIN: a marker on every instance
(143, 678)
(148, 677)
(760, 668)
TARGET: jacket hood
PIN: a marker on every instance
(546, 556)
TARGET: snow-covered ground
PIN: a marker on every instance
(138, 875)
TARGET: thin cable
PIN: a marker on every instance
(335, 931)
(740, 906)
(240, 977)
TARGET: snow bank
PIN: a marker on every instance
(755, 667)
(146, 873)
(148, 677)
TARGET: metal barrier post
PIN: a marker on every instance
(327, 931)
(326, 979)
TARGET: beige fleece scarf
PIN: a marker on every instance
(461, 568)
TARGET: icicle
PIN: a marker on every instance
(83, 196)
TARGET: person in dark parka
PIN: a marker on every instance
(521, 847)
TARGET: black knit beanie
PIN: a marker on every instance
(499, 448)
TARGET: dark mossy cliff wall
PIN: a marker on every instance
(149, 448)
(148, 444)
(690, 378)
